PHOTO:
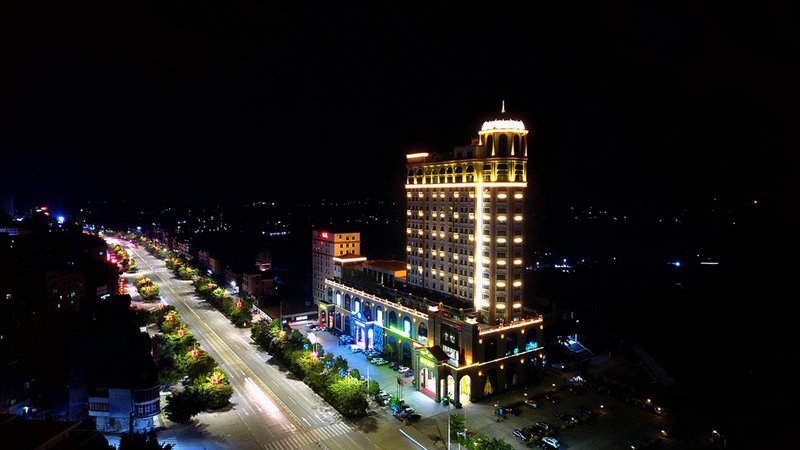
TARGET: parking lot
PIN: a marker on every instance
(614, 425)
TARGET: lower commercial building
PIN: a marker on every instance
(439, 337)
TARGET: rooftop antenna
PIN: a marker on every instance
(503, 110)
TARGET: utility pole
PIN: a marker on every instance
(448, 428)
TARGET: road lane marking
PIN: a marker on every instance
(223, 348)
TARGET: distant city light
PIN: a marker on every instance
(676, 263)
(60, 220)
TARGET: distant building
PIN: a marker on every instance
(329, 250)
(214, 265)
(202, 257)
(257, 283)
(263, 260)
(455, 315)
(7, 206)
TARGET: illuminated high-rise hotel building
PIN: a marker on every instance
(453, 311)
(465, 220)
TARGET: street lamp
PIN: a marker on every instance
(313, 339)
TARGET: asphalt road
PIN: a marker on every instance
(270, 410)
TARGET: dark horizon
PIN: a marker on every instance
(624, 102)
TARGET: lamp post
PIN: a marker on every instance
(313, 339)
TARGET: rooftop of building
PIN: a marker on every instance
(390, 265)
(349, 258)
(426, 301)
(408, 295)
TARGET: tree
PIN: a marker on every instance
(140, 441)
(457, 423)
(170, 322)
(142, 281)
(182, 406)
(260, 334)
(206, 288)
(198, 363)
(374, 388)
(348, 397)
(216, 395)
(485, 442)
(186, 272)
(149, 292)
(218, 294)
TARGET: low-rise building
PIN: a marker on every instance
(257, 283)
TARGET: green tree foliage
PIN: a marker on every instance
(199, 366)
(186, 272)
(457, 423)
(216, 396)
(374, 388)
(171, 322)
(349, 397)
(218, 294)
(141, 441)
(484, 442)
(182, 406)
(149, 292)
(142, 281)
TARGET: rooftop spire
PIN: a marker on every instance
(503, 109)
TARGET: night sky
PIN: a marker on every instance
(236, 99)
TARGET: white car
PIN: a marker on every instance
(403, 369)
(381, 362)
(551, 441)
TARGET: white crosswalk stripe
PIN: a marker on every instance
(308, 438)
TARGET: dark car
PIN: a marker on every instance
(523, 434)
(532, 403)
(584, 411)
(394, 365)
(550, 398)
(413, 417)
(566, 418)
(540, 428)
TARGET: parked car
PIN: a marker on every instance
(584, 411)
(542, 425)
(394, 365)
(552, 442)
(566, 418)
(403, 369)
(532, 403)
(540, 428)
(381, 362)
(413, 417)
(523, 434)
(355, 349)
(409, 373)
